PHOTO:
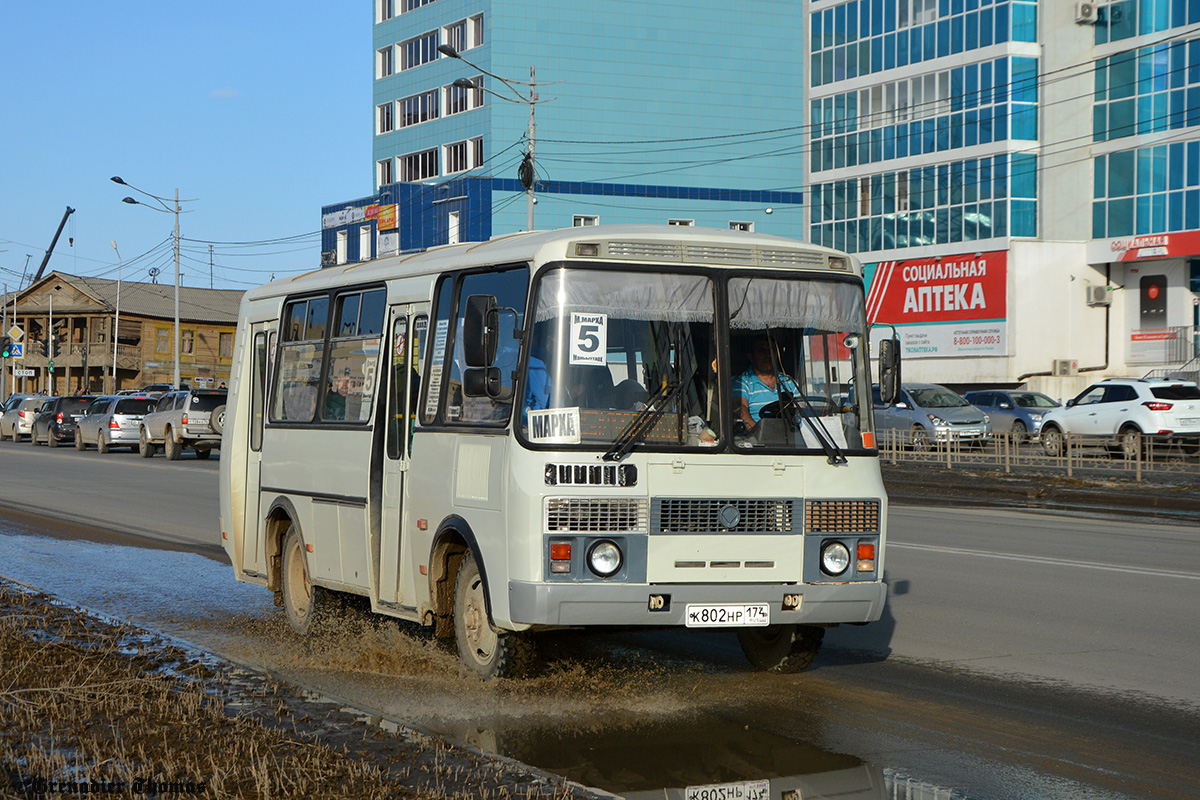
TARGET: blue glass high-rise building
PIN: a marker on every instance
(995, 163)
(654, 112)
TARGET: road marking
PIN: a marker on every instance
(1054, 562)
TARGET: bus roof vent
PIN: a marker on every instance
(719, 254)
(797, 258)
(657, 251)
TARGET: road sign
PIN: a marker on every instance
(16, 333)
(23, 372)
(16, 350)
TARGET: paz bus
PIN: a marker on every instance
(600, 427)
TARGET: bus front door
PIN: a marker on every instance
(407, 338)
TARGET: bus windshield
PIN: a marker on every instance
(624, 359)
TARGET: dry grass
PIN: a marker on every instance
(82, 700)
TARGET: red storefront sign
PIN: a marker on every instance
(950, 289)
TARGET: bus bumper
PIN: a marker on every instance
(666, 604)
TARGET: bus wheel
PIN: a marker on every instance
(308, 607)
(781, 648)
(487, 652)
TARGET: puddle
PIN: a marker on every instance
(621, 719)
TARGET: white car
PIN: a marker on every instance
(1125, 412)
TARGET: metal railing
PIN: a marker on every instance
(1013, 452)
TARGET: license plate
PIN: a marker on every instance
(1189, 420)
(746, 790)
(727, 616)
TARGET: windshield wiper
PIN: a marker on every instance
(833, 453)
(644, 421)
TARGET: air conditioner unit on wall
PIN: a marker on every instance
(1098, 296)
(1086, 12)
(1065, 367)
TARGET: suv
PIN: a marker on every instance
(55, 422)
(193, 418)
(1123, 412)
(19, 411)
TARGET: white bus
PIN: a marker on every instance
(604, 426)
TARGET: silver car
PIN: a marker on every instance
(927, 412)
(112, 422)
(19, 411)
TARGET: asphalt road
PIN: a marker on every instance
(1022, 653)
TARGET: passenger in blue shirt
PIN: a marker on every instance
(760, 384)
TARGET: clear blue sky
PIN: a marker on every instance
(259, 110)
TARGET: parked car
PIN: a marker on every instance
(156, 389)
(55, 422)
(113, 421)
(193, 418)
(1016, 411)
(1123, 413)
(19, 410)
(927, 412)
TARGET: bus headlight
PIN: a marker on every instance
(604, 558)
(835, 558)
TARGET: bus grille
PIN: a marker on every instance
(841, 516)
(710, 515)
(600, 515)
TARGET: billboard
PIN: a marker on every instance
(943, 307)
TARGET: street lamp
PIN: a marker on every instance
(117, 321)
(525, 171)
(166, 209)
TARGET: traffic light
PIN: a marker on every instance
(55, 345)
(46, 348)
(5, 347)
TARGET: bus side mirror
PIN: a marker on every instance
(485, 382)
(889, 370)
(480, 336)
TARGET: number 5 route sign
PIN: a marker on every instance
(589, 338)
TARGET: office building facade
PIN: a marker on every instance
(1016, 175)
(647, 113)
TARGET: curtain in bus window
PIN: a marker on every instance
(765, 303)
(664, 298)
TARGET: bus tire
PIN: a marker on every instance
(781, 648)
(309, 608)
(484, 650)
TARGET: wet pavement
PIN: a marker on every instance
(650, 715)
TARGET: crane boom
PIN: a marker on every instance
(53, 242)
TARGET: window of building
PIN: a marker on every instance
(454, 157)
(225, 345)
(364, 243)
(162, 340)
(741, 226)
(459, 98)
(685, 223)
(453, 219)
(476, 30)
(584, 220)
(386, 117)
(412, 5)
(418, 108)
(342, 247)
(187, 342)
(384, 10)
(419, 166)
(455, 35)
(386, 172)
(384, 65)
(418, 50)
(477, 152)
